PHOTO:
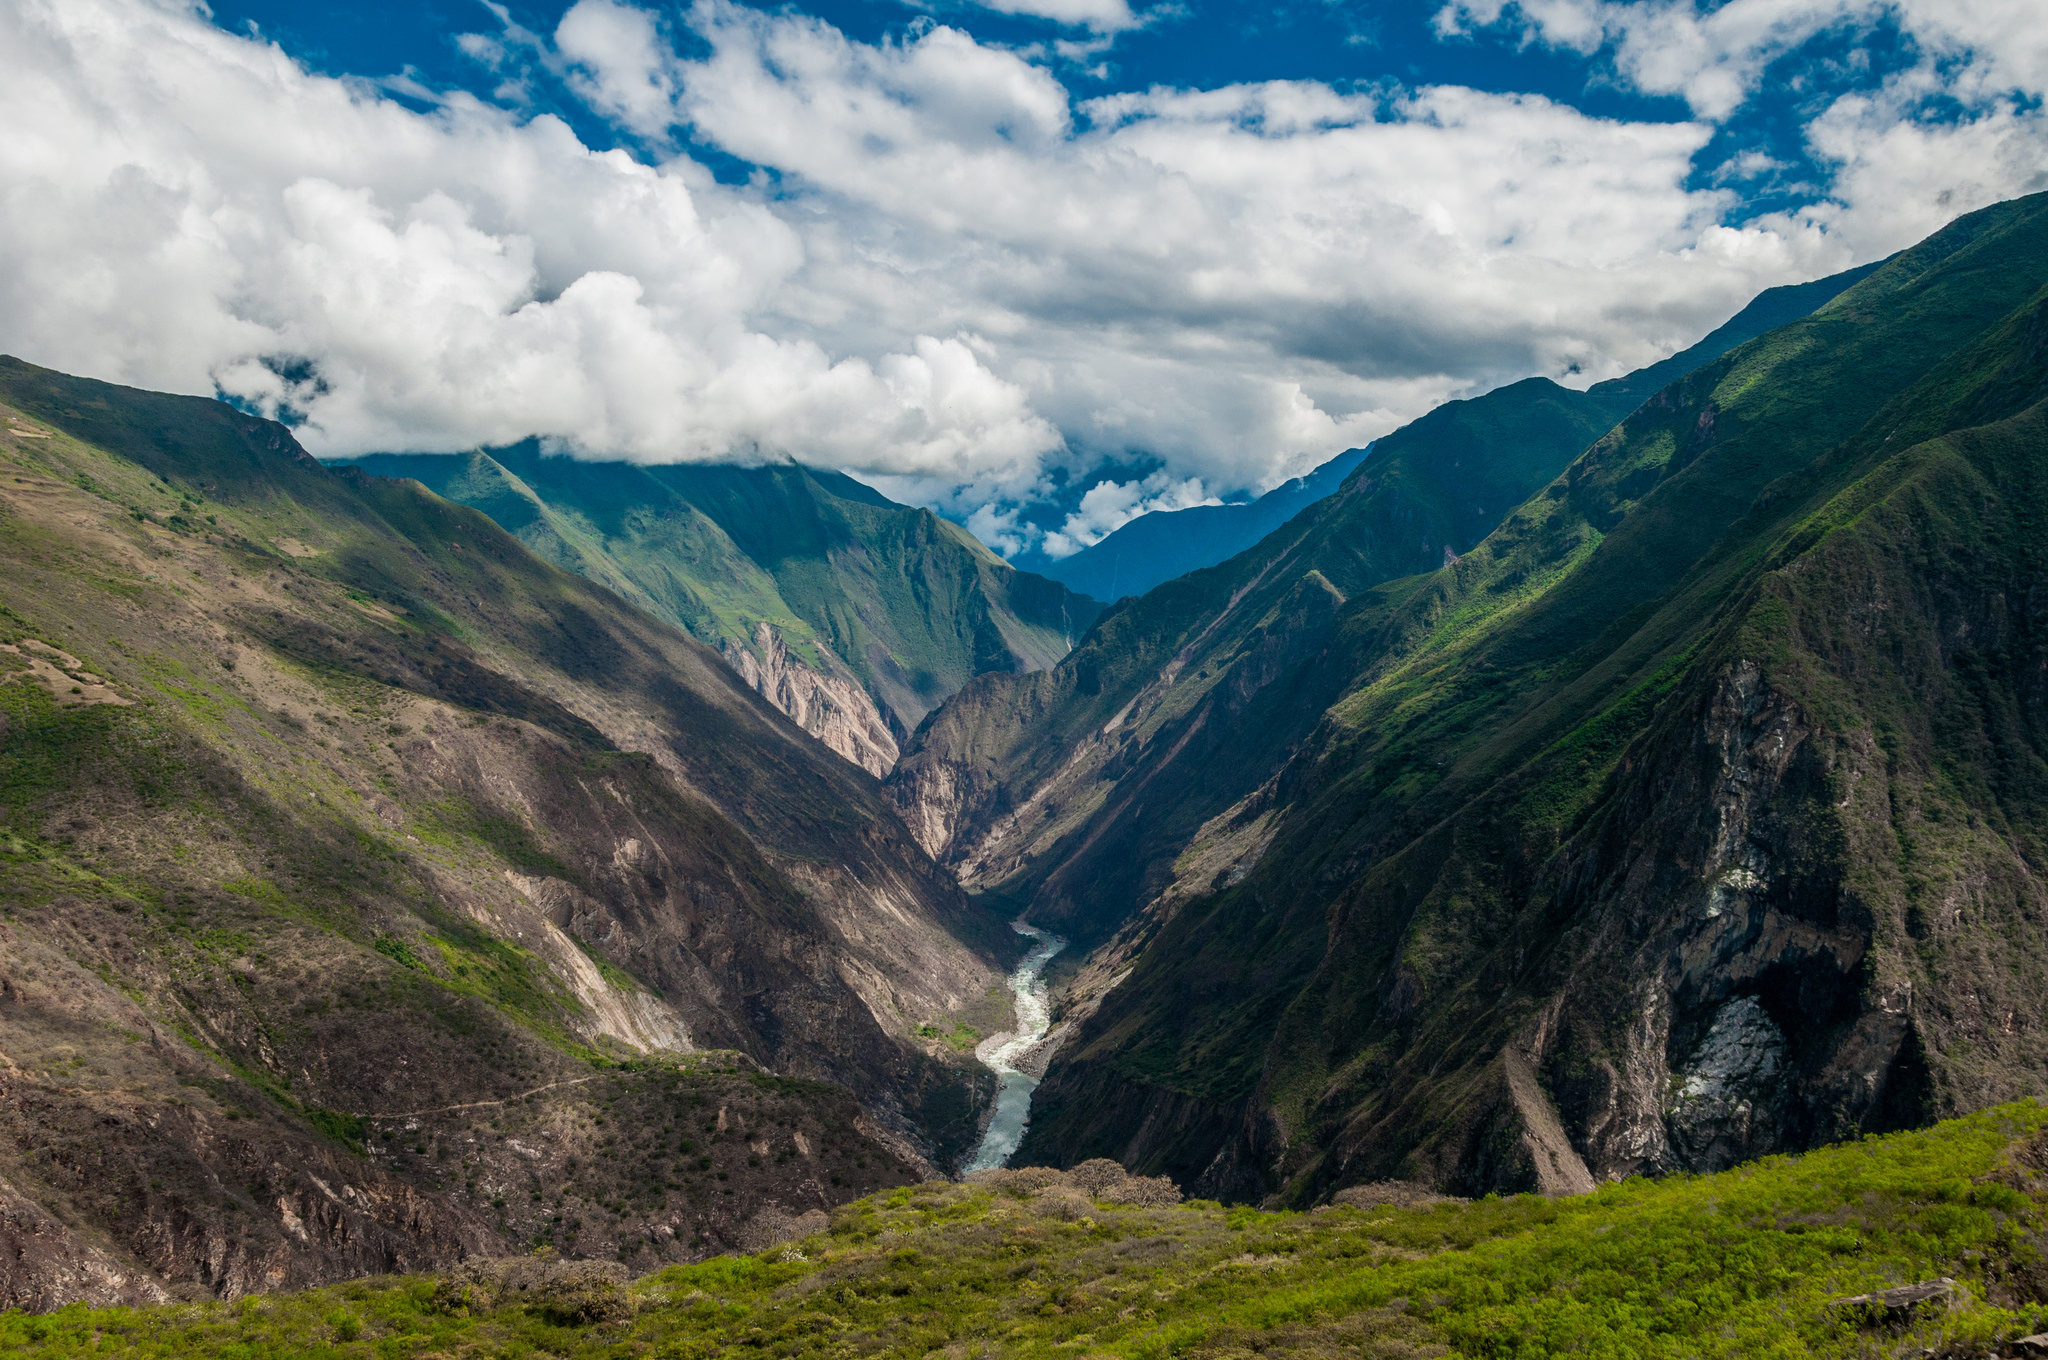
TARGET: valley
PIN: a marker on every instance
(431, 863)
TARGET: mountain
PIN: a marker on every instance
(1157, 547)
(374, 894)
(1694, 814)
(852, 614)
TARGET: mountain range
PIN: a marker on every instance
(1157, 547)
(852, 614)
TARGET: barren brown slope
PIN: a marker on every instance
(325, 795)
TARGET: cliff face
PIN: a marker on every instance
(873, 612)
(1693, 815)
(828, 706)
(362, 869)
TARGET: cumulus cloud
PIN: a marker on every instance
(954, 276)
(1960, 124)
(1715, 55)
(1238, 281)
(191, 210)
(1109, 505)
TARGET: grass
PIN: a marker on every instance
(1744, 1263)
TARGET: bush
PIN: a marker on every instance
(1097, 1175)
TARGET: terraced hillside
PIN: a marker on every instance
(335, 823)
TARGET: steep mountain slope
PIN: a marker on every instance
(1158, 547)
(1076, 789)
(852, 614)
(1698, 813)
(330, 815)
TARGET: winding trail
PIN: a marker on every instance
(1014, 1089)
(480, 1104)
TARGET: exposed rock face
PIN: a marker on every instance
(830, 707)
(45, 1265)
(1722, 1108)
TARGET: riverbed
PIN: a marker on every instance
(1014, 1088)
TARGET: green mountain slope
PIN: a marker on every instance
(874, 612)
(1693, 815)
(1769, 1260)
(1076, 789)
(362, 876)
(1155, 548)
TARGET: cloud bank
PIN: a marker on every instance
(952, 275)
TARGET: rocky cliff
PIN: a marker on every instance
(822, 701)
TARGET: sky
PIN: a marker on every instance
(1040, 264)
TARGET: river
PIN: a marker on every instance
(1014, 1088)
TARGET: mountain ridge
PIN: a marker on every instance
(1169, 543)
(874, 611)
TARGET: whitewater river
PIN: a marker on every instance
(1013, 1093)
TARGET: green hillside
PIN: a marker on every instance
(907, 605)
(1747, 1263)
(1693, 815)
(1044, 787)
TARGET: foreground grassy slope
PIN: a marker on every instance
(1745, 1263)
(327, 811)
(1715, 768)
(908, 605)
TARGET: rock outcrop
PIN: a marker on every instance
(827, 704)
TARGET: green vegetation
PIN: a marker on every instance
(1745, 1263)
(961, 1038)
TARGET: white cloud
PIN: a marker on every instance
(1714, 55)
(1101, 16)
(617, 63)
(1239, 281)
(958, 276)
(185, 208)
(1109, 506)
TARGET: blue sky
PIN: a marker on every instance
(1041, 264)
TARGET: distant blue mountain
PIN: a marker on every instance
(1156, 548)
(1168, 543)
